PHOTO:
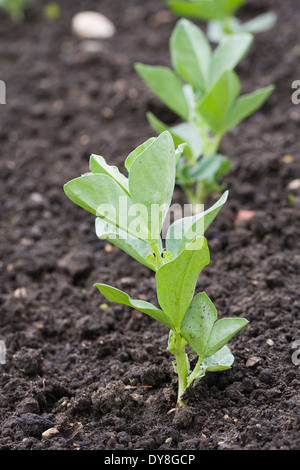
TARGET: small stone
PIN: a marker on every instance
(91, 46)
(20, 293)
(294, 186)
(287, 158)
(108, 248)
(253, 361)
(244, 215)
(107, 112)
(92, 25)
(137, 398)
(270, 342)
(50, 432)
(103, 306)
(36, 200)
(127, 281)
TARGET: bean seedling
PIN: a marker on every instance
(220, 16)
(14, 8)
(130, 212)
(203, 90)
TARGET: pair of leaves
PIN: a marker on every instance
(209, 99)
(193, 59)
(176, 282)
(221, 360)
(195, 63)
(196, 319)
(222, 109)
(15, 8)
(103, 187)
(207, 169)
(201, 329)
(136, 205)
(216, 30)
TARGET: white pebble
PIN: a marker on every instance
(294, 186)
(92, 25)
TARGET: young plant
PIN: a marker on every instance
(219, 14)
(14, 8)
(130, 213)
(203, 90)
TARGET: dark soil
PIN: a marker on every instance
(69, 355)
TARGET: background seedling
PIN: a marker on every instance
(204, 91)
(220, 16)
(147, 193)
(14, 8)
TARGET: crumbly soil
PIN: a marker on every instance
(72, 358)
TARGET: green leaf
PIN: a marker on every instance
(99, 165)
(103, 197)
(218, 101)
(203, 333)
(245, 106)
(228, 7)
(190, 54)
(222, 332)
(91, 191)
(137, 152)
(184, 230)
(176, 280)
(230, 51)
(134, 247)
(221, 360)
(167, 87)
(208, 169)
(181, 133)
(179, 151)
(113, 294)
(152, 181)
(202, 9)
(198, 323)
(260, 23)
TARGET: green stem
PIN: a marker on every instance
(212, 145)
(193, 375)
(200, 192)
(227, 25)
(196, 197)
(181, 367)
(189, 193)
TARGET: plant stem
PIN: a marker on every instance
(196, 197)
(227, 25)
(181, 367)
(193, 375)
(213, 145)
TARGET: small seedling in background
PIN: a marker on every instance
(14, 8)
(220, 16)
(203, 90)
(52, 11)
(130, 212)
